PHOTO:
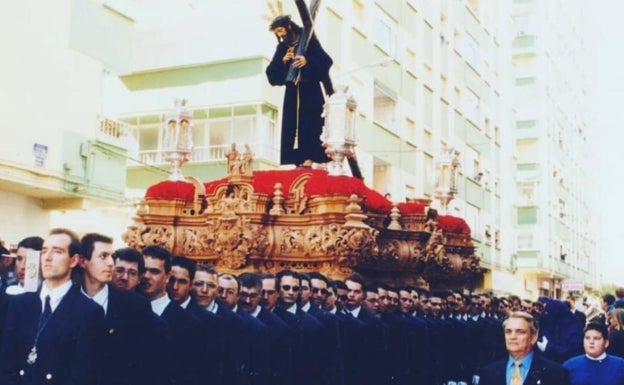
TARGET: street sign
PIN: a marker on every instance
(572, 285)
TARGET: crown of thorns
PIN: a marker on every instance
(281, 21)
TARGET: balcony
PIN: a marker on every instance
(210, 154)
(116, 133)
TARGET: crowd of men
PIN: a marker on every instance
(105, 316)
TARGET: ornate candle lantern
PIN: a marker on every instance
(178, 137)
(446, 166)
(338, 135)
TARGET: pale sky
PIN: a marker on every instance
(608, 108)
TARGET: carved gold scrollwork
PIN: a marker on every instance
(352, 243)
(434, 250)
(139, 236)
(235, 199)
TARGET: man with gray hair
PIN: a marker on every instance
(522, 366)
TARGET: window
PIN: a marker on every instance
(384, 107)
(428, 43)
(525, 240)
(428, 108)
(527, 215)
(385, 33)
(429, 180)
(472, 54)
(148, 138)
(444, 118)
(358, 12)
(410, 130)
(527, 191)
(428, 140)
(470, 105)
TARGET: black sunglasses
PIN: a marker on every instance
(316, 290)
(289, 288)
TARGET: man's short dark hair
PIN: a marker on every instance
(317, 275)
(131, 255)
(34, 243)
(608, 299)
(272, 276)
(88, 243)
(286, 273)
(185, 263)
(339, 285)
(599, 327)
(356, 278)
(160, 253)
(304, 277)
(74, 244)
(372, 287)
(207, 268)
(250, 280)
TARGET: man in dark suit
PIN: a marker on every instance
(571, 300)
(307, 349)
(334, 369)
(231, 327)
(52, 336)
(255, 342)
(184, 352)
(522, 366)
(125, 340)
(280, 339)
(179, 288)
(4, 300)
(363, 345)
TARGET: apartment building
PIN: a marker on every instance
(555, 243)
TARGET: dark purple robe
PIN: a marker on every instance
(302, 123)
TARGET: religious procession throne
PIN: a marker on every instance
(304, 219)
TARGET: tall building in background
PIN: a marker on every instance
(555, 246)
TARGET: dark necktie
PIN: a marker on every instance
(47, 311)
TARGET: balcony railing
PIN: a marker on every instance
(210, 154)
(118, 134)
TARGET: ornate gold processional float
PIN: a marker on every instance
(305, 219)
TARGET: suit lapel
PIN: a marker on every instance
(113, 310)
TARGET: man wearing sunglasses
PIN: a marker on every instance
(179, 287)
(231, 328)
(308, 358)
(319, 284)
(279, 337)
(255, 344)
(317, 290)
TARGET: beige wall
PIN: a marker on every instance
(21, 217)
